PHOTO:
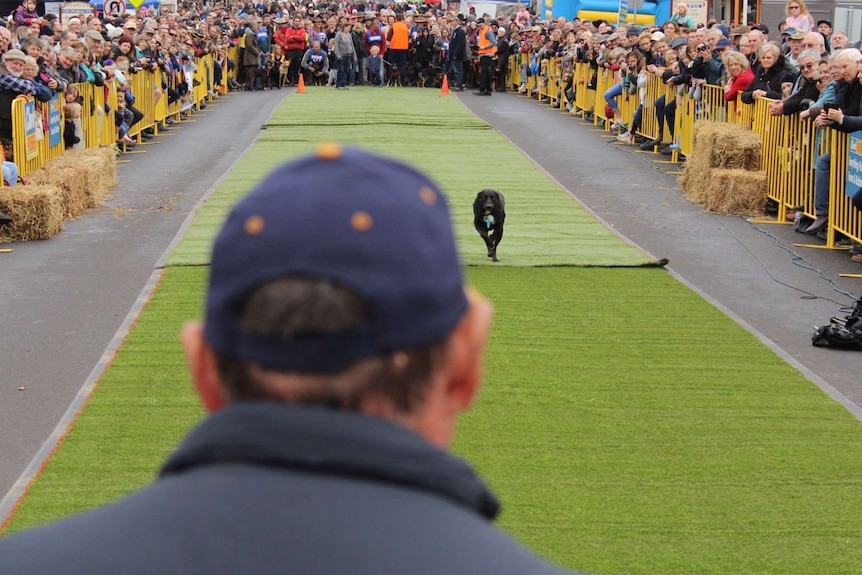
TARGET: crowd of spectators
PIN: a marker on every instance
(805, 66)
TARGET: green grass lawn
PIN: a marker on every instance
(628, 426)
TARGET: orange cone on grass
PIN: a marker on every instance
(300, 88)
(444, 90)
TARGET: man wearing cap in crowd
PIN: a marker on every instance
(825, 28)
(94, 41)
(338, 349)
(457, 54)
(794, 46)
(736, 34)
(13, 85)
(487, 40)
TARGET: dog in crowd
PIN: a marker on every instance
(394, 78)
(283, 67)
(489, 215)
(253, 74)
(430, 77)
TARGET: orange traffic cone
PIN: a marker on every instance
(444, 90)
(300, 88)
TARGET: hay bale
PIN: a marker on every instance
(731, 192)
(727, 146)
(84, 176)
(36, 212)
(74, 199)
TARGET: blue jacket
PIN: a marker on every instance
(264, 488)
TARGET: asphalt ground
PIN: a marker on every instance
(65, 299)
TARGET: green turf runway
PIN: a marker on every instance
(628, 426)
(544, 227)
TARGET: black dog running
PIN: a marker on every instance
(489, 215)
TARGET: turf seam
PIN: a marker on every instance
(19, 489)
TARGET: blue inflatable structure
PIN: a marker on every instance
(649, 13)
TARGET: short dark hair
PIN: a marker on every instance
(294, 308)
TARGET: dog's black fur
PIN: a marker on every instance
(489, 215)
(253, 74)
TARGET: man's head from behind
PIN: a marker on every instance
(336, 282)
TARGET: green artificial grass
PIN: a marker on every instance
(544, 226)
(628, 426)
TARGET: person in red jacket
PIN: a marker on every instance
(294, 41)
(739, 75)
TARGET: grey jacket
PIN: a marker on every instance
(343, 46)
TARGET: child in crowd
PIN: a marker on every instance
(31, 68)
(122, 120)
(375, 67)
(71, 124)
(10, 170)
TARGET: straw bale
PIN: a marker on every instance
(92, 171)
(731, 192)
(36, 212)
(73, 198)
(727, 146)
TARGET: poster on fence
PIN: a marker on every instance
(54, 121)
(31, 137)
(854, 164)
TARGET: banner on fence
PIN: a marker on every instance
(54, 134)
(854, 164)
(31, 135)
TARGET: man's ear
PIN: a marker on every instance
(467, 352)
(202, 367)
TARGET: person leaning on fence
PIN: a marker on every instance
(634, 84)
(739, 76)
(805, 89)
(770, 76)
(13, 85)
(846, 106)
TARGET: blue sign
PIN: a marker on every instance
(854, 165)
(55, 136)
(623, 15)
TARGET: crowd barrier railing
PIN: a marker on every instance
(37, 127)
(37, 134)
(790, 145)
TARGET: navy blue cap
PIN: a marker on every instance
(368, 223)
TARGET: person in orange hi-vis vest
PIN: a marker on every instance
(487, 54)
(399, 43)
